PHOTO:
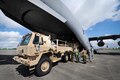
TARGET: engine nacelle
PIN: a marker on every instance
(119, 43)
(101, 43)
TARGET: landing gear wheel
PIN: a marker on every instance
(43, 67)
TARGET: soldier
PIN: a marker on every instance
(77, 53)
(84, 56)
(73, 55)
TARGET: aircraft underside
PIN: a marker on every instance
(44, 20)
(35, 18)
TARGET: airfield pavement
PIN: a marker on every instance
(104, 67)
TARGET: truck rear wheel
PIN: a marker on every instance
(65, 57)
(43, 67)
(70, 56)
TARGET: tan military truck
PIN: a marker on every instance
(38, 52)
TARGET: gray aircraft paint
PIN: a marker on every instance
(48, 9)
(72, 22)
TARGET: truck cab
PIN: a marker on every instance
(34, 43)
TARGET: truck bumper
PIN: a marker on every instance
(22, 60)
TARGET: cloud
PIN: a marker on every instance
(111, 43)
(91, 29)
(91, 12)
(116, 17)
(94, 44)
(107, 34)
(9, 39)
(7, 22)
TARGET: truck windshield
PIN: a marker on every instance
(26, 40)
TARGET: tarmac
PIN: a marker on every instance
(104, 67)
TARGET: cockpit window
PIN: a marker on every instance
(26, 40)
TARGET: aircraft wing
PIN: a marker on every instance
(101, 38)
(39, 17)
(114, 37)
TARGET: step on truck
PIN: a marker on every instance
(39, 52)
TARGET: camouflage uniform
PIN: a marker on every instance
(84, 55)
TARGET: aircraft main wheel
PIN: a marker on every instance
(65, 57)
(43, 67)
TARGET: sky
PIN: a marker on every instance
(97, 17)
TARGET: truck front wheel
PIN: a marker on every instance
(43, 67)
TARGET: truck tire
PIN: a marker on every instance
(65, 57)
(70, 54)
(43, 67)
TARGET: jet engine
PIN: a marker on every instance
(101, 43)
(119, 43)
